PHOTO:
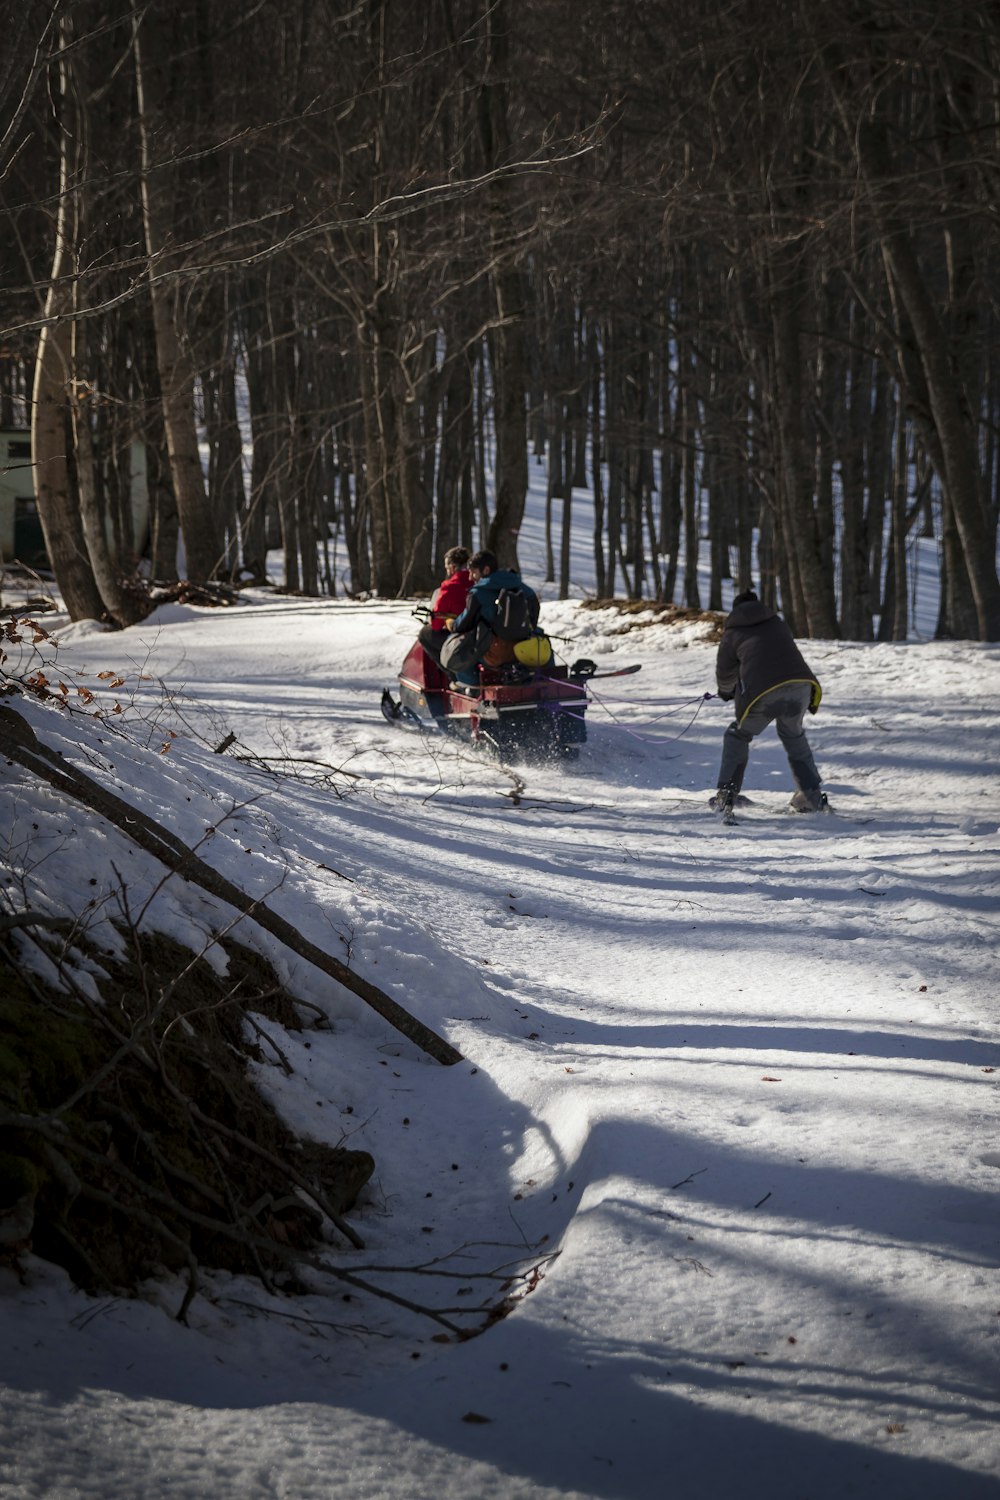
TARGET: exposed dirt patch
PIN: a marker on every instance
(133, 1136)
(662, 614)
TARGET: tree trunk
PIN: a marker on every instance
(671, 481)
(566, 535)
(123, 607)
(378, 423)
(456, 456)
(555, 486)
(50, 422)
(508, 342)
(855, 593)
(953, 424)
(687, 403)
(597, 459)
(202, 539)
(417, 515)
(225, 460)
(812, 608)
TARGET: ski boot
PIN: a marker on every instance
(809, 802)
(723, 802)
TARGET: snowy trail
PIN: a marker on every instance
(743, 1079)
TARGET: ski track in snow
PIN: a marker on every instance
(743, 1079)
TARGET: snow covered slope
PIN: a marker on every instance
(743, 1080)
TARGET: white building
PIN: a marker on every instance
(21, 535)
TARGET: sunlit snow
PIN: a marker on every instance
(743, 1080)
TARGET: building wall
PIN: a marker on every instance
(20, 529)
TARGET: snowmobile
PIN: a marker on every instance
(521, 712)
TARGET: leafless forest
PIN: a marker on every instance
(732, 269)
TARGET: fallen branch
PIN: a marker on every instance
(19, 742)
(299, 760)
(33, 919)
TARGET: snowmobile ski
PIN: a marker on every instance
(401, 713)
(391, 708)
(588, 669)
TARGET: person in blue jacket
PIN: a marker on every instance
(488, 578)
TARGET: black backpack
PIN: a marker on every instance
(513, 621)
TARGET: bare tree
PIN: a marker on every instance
(153, 45)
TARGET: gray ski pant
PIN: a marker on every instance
(786, 707)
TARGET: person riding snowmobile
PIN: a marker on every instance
(488, 579)
(447, 603)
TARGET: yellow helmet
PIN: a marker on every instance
(536, 651)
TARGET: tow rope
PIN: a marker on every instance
(681, 703)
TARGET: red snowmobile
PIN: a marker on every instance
(526, 713)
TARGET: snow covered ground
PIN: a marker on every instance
(743, 1080)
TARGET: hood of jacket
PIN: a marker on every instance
(502, 578)
(487, 589)
(753, 612)
(482, 601)
(757, 652)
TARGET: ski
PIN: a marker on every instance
(728, 817)
(617, 672)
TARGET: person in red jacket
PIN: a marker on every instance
(448, 601)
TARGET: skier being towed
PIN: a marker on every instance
(488, 578)
(759, 664)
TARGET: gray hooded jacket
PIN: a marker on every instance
(757, 653)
